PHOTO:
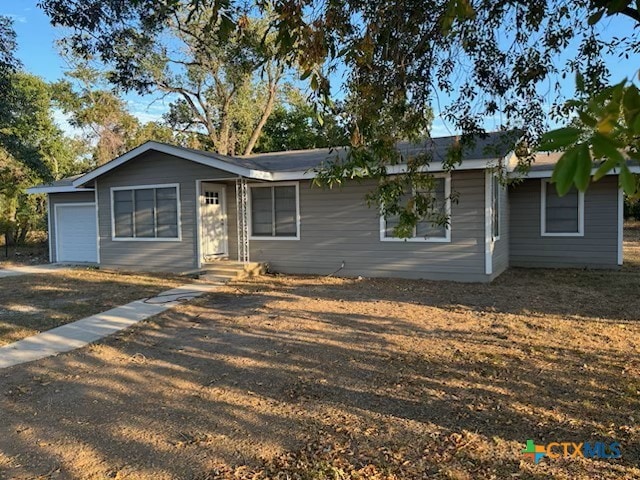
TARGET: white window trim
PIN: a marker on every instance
(447, 235)
(250, 209)
(146, 239)
(543, 214)
(494, 181)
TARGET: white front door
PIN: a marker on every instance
(213, 221)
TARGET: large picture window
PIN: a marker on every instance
(561, 216)
(274, 211)
(425, 230)
(146, 213)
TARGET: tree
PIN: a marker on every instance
(490, 58)
(8, 61)
(295, 125)
(226, 90)
(33, 149)
(223, 81)
(97, 111)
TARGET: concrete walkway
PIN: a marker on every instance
(29, 269)
(82, 332)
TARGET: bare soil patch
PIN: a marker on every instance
(33, 303)
(30, 254)
(321, 378)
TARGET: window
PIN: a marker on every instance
(274, 211)
(561, 216)
(211, 198)
(424, 231)
(495, 207)
(145, 213)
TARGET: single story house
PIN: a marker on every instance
(165, 208)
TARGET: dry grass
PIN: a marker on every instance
(33, 303)
(632, 244)
(323, 378)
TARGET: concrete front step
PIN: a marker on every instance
(225, 271)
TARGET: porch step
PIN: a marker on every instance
(224, 271)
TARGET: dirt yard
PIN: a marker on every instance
(33, 303)
(323, 378)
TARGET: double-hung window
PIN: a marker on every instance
(425, 230)
(561, 216)
(146, 213)
(274, 211)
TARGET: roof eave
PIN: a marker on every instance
(175, 151)
(60, 189)
(547, 173)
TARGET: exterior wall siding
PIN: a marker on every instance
(596, 249)
(149, 169)
(57, 198)
(337, 226)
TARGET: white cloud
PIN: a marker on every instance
(15, 17)
(62, 120)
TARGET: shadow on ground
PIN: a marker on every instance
(408, 378)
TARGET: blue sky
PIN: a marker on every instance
(38, 53)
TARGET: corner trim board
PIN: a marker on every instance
(620, 226)
(488, 243)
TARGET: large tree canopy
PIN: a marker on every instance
(33, 149)
(468, 60)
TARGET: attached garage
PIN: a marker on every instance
(73, 236)
(76, 234)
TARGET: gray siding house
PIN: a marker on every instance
(166, 208)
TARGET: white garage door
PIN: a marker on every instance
(76, 233)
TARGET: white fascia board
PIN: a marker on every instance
(177, 152)
(549, 173)
(391, 170)
(65, 189)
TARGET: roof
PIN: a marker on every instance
(59, 186)
(299, 164)
(545, 162)
(493, 146)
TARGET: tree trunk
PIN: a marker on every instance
(266, 113)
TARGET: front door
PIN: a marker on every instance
(213, 221)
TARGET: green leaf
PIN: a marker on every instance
(557, 139)
(605, 168)
(636, 126)
(583, 167)
(627, 180)
(565, 170)
(587, 119)
(579, 82)
(615, 6)
(604, 146)
(595, 18)
(631, 104)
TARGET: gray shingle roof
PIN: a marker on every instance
(64, 182)
(493, 145)
(546, 161)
